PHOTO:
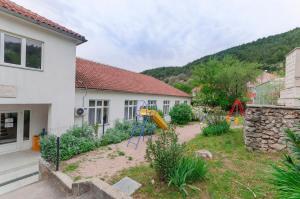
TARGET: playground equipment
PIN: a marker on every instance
(237, 107)
(144, 116)
(159, 121)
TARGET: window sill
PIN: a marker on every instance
(20, 67)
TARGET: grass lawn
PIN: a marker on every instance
(233, 173)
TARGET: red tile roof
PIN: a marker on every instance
(94, 75)
(19, 11)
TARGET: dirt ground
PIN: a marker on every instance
(108, 161)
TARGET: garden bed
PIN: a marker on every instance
(107, 161)
(233, 172)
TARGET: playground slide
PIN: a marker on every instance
(156, 118)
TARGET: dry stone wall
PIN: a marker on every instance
(264, 126)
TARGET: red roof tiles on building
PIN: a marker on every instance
(94, 75)
(19, 11)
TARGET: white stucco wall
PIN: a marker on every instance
(291, 94)
(54, 85)
(117, 100)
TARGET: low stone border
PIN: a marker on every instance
(96, 188)
(264, 126)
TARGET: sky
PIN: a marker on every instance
(144, 34)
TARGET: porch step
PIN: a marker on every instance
(18, 178)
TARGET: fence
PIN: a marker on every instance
(268, 93)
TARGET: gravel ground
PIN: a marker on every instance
(107, 162)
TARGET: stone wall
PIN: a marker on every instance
(264, 126)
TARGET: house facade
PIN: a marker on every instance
(42, 83)
(109, 94)
(37, 76)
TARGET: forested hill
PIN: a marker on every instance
(268, 51)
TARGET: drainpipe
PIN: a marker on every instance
(83, 101)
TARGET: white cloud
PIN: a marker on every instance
(138, 35)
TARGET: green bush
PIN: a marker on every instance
(188, 170)
(216, 129)
(181, 114)
(122, 130)
(286, 177)
(75, 141)
(164, 153)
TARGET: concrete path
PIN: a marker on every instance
(38, 190)
(107, 162)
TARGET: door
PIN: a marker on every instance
(8, 130)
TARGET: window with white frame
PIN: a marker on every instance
(166, 107)
(98, 112)
(185, 101)
(20, 51)
(177, 102)
(130, 109)
(152, 104)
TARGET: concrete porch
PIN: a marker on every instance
(18, 169)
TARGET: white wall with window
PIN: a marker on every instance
(98, 112)
(20, 51)
(121, 105)
(37, 66)
(130, 108)
(152, 104)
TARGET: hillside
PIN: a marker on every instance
(269, 52)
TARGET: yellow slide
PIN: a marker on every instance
(156, 118)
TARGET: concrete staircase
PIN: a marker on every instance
(18, 177)
(18, 170)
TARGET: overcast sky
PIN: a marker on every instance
(143, 34)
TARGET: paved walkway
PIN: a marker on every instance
(38, 190)
(105, 163)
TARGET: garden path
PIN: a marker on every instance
(108, 161)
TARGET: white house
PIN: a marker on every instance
(37, 76)
(38, 67)
(109, 93)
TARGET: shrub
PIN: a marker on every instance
(286, 177)
(181, 114)
(216, 129)
(189, 169)
(215, 116)
(75, 141)
(164, 153)
(122, 131)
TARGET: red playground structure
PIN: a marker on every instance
(237, 107)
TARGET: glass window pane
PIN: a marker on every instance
(99, 116)
(12, 50)
(26, 129)
(91, 116)
(105, 115)
(8, 127)
(106, 103)
(135, 102)
(99, 103)
(126, 113)
(33, 54)
(92, 103)
(130, 113)
(126, 102)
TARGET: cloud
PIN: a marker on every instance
(139, 35)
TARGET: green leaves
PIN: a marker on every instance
(181, 114)
(286, 177)
(223, 80)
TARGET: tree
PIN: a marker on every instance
(223, 80)
(183, 87)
